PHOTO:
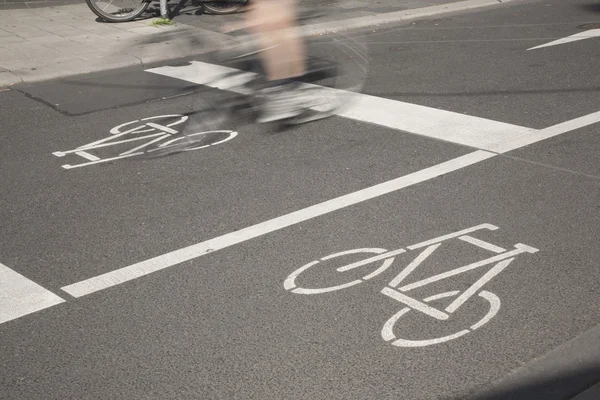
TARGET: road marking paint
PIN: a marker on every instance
(412, 303)
(167, 260)
(519, 249)
(414, 264)
(426, 118)
(370, 260)
(452, 235)
(494, 307)
(592, 33)
(478, 285)
(546, 133)
(443, 125)
(20, 296)
(87, 155)
(483, 244)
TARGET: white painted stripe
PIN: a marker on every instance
(137, 270)
(519, 249)
(444, 125)
(452, 235)
(414, 264)
(546, 133)
(415, 304)
(20, 296)
(573, 38)
(466, 295)
(87, 156)
(482, 243)
(494, 307)
(370, 260)
(428, 342)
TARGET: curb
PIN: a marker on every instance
(592, 393)
(181, 50)
(400, 16)
(569, 371)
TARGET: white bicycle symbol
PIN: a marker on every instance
(383, 259)
(155, 132)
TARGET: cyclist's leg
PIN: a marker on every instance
(274, 24)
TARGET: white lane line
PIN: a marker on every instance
(444, 125)
(546, 133)
(592, 33)
(428, 119)
(20, 296)
(167, 260)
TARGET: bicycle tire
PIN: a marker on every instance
(110, 17)
(223, 7)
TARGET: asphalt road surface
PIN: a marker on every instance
(469, 166)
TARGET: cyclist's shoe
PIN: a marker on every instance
(282, 102)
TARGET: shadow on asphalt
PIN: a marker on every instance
(592, 7)
(560, 386)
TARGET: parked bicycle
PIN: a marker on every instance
(128, 10)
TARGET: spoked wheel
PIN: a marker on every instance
(224, 7)
(118, 10)
(336, 70)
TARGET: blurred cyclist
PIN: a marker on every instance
(274, 23)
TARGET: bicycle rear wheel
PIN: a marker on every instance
(204, 127)
(118, 10)
(224, 7)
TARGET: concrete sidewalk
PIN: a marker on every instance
(51, 42)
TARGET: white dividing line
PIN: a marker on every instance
(20, 296)
(546, 133)
(453, 127)
(573, 38)
(444, 125)
(140, 269)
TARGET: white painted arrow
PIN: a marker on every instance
(573, 38)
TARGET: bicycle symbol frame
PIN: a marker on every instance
(145, 129)
(396, 291)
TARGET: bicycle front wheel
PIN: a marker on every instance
(224, 7)
(118, 10)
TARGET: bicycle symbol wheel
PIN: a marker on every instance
(387, 332)
(388, 259)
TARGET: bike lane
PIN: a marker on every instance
(69, 216)
(224, 325)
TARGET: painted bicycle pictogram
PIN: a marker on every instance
(144, 137)
(397, 289)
